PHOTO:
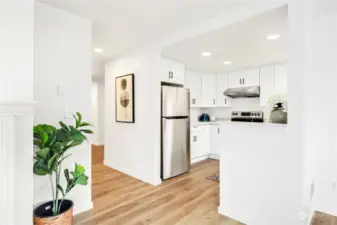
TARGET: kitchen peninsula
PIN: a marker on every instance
(253, 171)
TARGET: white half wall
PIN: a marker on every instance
(16, 54)
(63, 57)
(135, 148)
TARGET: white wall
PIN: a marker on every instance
(16, 111)
(135, 148)
(97, 112)
(320, 132)
(62, 57)
(16, 55)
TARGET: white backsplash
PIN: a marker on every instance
(240, 104)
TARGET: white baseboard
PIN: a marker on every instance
(199, 158)
(133, 174)
(213, 156)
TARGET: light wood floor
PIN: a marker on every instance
(189, 199)
(320, 218)
(97, 154)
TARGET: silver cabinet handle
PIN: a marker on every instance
(225, 101)
(240, 80)
(194, 138)
(194, 101)
(243, 80)
(213, 101)
(218, 130)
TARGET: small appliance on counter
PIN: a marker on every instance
(248, 116)
(204, 118)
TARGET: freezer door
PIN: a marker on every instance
(175, 101)
(175, 147)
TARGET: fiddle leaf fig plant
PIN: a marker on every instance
(52, 146)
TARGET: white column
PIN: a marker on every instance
(16, 163)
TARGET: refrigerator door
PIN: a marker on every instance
(175, 101)
(175, 147)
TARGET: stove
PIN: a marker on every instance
(247, 116)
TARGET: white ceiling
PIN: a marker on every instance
(244, 43)
(120, 25)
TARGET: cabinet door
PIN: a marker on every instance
(221, 86)
(204, 140)
(267, 84)
(251, 77)
(281, 74)
(193, 82)
(208, 90)
(172, 72)
(215, 141)
(194, 142)
(234, 79)
(178, 72)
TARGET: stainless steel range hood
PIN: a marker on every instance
(243, 92)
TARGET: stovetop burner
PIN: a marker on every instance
(247, 116)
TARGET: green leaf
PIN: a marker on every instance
(48, 128)
(40, 168)
(79, 116)
(51, 139)
(43, 153)
(82, 180)
(37, 142)
(61, 136)
(79, 169)
(66, 174)
(60, 189)
(52, 162)
(84, 124)
(57, 147)
(87, 131)
(76, 142)
(64, 126)
(44, 137)
(78, 136)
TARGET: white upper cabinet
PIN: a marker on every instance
(221, 86)
(208, 90)
(251, 77)
(244, 78)
(281, 73)
(267, 84)
(172, 72)
(234, 79)
(193, 82)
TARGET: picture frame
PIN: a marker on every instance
(125, 99)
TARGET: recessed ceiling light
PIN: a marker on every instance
(205, 54)
(273, 37)
(227, 62)
(99, 50)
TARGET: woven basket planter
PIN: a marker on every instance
(43, 214)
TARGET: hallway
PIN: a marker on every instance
(187, 199)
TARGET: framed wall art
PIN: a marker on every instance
(125, 99)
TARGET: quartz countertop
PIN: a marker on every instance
(220, 122)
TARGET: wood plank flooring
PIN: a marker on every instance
(97, 154)
(189, 199)
(320, 218)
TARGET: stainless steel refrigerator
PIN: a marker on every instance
(175, 131)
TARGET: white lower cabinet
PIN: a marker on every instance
(215, 142)
(200, 142)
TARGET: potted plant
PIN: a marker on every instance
(279, 113)
(52, 146)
